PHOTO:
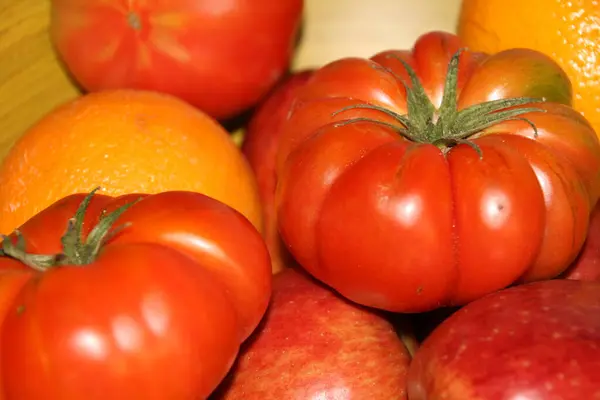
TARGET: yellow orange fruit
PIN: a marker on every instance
(124, 141)
(566, 30)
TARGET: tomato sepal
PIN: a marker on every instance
(445, 126)
(76, 250)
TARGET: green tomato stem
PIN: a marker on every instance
(75, 249)
(446, 126)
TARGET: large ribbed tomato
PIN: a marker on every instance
(422, 178)
(145, 299)
(221, 56)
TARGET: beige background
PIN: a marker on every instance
(340, 28)
(32, 82)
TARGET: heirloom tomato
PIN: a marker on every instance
(221, 56)
(432, 176)
(143, 297)
(260, 144)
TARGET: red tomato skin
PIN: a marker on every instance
(220, 56)
(115, 329)
(499, 217)
(224, 253)
(567, 134)
(260, 144)
(345, 201)
(194, 227)
(152, 317)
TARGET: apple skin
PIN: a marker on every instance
(260, 144)
(587, 264)
(314, 344)
(535, 341)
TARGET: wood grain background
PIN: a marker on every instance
(32, 81)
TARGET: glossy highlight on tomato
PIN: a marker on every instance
(145, 296)
(433, 176)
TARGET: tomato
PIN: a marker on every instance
(153, 304)
(259, 146)
(431, 177)
(220, 56)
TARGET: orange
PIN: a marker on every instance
(566, 30)
(124, 141)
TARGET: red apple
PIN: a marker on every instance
(539, 341)
(587, 265)
(260, 147)
(314, 344)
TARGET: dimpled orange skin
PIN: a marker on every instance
(566, 30)
(124, 141)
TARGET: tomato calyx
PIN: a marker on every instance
(75, 249)
(446, 126)
(134, 20)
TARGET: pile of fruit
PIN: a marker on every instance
(420, 224)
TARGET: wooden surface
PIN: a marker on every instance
(32, 80)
